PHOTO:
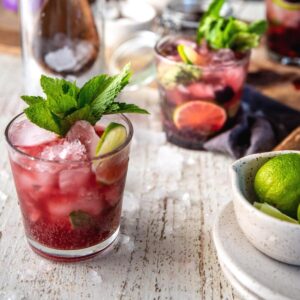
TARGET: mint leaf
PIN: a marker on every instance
(110, 92)
(258, 27)
(61, 95)
(93, 88)
(83, 113)
(41, 115)
(65, 103)
(212, 13)
(32, 99)
(244, 41)
(124, 108)
(81, 219)
(220, 32)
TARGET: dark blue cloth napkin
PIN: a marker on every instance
(262, 123)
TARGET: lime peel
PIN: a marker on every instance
(113, 137)
(273, 212)
(286, 5)
(187, 54)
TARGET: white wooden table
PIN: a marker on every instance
(165, 250)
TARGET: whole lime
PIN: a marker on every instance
(277, 183)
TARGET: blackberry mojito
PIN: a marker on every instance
(283, 36)
(201, 78)
(70, 167)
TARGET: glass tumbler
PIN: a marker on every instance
(283, 36)
(71, 209)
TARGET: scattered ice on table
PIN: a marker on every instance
(169, 162)
(124, 239)
(45, 266)
(94, 276)
(126, 242)
(86, 134)
(11, 295)
(186, 199)
(4, 175)
(145, 136)
(73, 150)
(25, 133)
(130, 202)
(27, 274)
(191, 161)
(3, 196)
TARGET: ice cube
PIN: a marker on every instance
(67, 150)
(223, 56)
(71, 56)
(71, 179)
(86, 134)
(201, 91)
(25, 133)
(130, 202)
(94, 276)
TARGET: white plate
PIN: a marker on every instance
(251, 272)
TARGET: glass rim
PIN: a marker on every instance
(237, 62)
(65, 161)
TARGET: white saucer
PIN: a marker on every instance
(253, 274)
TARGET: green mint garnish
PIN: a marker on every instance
(81, 219)
(220, 32)
(65, 103)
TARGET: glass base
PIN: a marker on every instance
(73, 255)
(187, 143)
(285, 60)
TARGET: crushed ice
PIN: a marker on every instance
(130, 202)
(25, 133)
(72, 56)
(126, 242)
(11, 295)
(3, 196)
(86, 134)
(94, 276)
(169, 162)
(74, 150)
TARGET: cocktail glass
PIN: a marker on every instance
(200, 100)
(71, 208)
(283, 36)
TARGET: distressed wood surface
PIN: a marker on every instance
(165, 250)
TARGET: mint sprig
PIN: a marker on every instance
(65, 103)
(220, 32)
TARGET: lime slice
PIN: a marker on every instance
(187, 54)
(273, 212)
(287, 5)
(113, 137)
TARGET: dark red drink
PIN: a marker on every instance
(198, 100)
(70, 201)
(283, 37)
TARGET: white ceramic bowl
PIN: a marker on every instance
(275, 238)
(136, 16)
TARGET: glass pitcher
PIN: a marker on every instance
(61, 38)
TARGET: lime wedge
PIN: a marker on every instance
(187, 54)
(298, 213)
(113, 137)
(273, 212)
(287, 5)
